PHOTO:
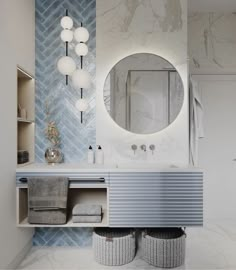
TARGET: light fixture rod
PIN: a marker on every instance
(66, 50)
(81, 89)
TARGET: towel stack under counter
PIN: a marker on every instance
(84, 213)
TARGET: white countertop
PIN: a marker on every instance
(83, 167)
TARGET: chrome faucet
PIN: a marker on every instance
(143, 147)
(134, 147)
(152, 148)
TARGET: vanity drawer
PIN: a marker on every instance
(156, 199)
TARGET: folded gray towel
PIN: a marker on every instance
(48, 192)
(86, 219)
(87, 210)
(54, 217)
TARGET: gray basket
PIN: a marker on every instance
(113, 246)
(164, 248)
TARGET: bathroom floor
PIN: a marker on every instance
(211, 247)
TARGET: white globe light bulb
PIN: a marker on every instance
(81, 79)
(66, 65)
(82, 105)
(66, 22)
(81, 34)
(66, 35)
(81, 49)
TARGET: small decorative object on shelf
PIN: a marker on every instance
(53, 153)
(22, 112)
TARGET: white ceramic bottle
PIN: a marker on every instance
(99, 155)
(90, 155)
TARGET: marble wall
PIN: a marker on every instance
(127, 27)
(212, 43)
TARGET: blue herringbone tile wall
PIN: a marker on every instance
(50, 84)
(63, 237)
(51, 89)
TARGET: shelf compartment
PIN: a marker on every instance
(25, 139)
(26, 93)
(93, 195)
(25, 124)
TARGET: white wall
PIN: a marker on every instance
(129, 27)
(16, 47)
(217, 149)
(212, 47)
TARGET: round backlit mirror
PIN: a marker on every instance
(143, 93)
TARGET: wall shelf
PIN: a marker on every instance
(25, 124)
(25, 120)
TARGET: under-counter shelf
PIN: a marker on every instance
(69, 223)
(78, 193)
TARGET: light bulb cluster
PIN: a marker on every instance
(66, 65)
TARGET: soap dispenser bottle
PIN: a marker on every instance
(90, 155)
(99, 155)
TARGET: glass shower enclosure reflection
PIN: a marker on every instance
(152, 97)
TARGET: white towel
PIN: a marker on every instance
(196, 120)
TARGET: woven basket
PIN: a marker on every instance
(164, 248)
(113, 246)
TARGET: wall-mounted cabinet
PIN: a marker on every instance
(25, 117)
(129, 197)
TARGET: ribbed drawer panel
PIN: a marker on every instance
(156, 199)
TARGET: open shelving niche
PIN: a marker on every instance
(26, 126)
(77, 193)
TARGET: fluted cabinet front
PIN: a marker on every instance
(156, 199)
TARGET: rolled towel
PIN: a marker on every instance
(86, 219)
(87, 210)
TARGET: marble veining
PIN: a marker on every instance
(167, 19)
(212, 42)
(161, 33)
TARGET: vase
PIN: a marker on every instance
(53, 155)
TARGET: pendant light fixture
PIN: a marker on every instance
(66, 65)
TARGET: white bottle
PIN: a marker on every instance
(99, 155)
(90, 155)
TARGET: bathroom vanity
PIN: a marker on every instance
(130, 196)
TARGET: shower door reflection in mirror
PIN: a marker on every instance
(146, 100)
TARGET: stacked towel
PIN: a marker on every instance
(47, 200)
(84, 213)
